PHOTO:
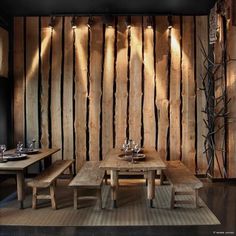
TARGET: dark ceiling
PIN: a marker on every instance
(63, 7)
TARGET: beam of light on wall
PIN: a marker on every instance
(82, 64)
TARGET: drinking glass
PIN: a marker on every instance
(19, 147)
(2, 149)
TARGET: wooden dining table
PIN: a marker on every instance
(149, 165)
(19, 168)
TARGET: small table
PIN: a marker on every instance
(18, 168)
(151, 164)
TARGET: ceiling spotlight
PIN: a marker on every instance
(108, 20)
(128, 22)
(52, 22)
(73, 22)
(169, 22)
(90, 22)
(149, 22)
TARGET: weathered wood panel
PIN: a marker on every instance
(68, 126)
(107, 98)
(96, 46)
(32, 79)
(201, 36)
(56, 87)
(135, 101)
(149, 87)
(231, 88)
(45, 76)
(188, 93)
(162, 102)
(121, 82)
(81, 93)
(4, 51)
(175, 80)
(19, 80)
(219, 89)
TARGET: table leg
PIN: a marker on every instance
(20, 188)
(151, 187)
(114, 186)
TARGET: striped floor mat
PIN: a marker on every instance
(132, 210)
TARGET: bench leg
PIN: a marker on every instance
(75, 198)
(52, 194)
(161, 177)
(34, 198)
(196, 203)
(172, 198)
(99, 196)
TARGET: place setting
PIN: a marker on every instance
(21, 152)
(132, 152)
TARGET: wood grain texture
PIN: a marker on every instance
(162, 102)
(175, 80)
(107, 98)
(121, 82)
(81, 93)
(96, 45)
(4, 49)
(219, 90)
(90, 175)
(231, 88)
(188, 93)
(201, 36)
(45, 76)
(68, 125)
(32, 73)
(56, 87)
(19, 80)
(45, 178)
(135, 107)
(149, 87)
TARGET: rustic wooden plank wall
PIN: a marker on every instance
(92, 87)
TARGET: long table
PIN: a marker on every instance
(18, 168)
(150, 165)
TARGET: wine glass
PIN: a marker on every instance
(19, 147)
(3, 149)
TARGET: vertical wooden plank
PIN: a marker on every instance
(68, 144)
(19, 80)
(81, 93)
(231, 85)
(121, 82)
(188, 93)
(96, 46)
(107, 98)
(219, 89)
(201, 34)
(4, 51)
(135, 103)
(32, 72)
(162, 86)
(56, 87)
(175, 79)
(45, 70)
(149, 87)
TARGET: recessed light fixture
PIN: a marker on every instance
(52, 22)
(150, 22)
(169, 22)
(128, 22)
(108, 20)
(73, 22)
(90, 22)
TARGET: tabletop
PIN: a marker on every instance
(30, 160)
(151, 162)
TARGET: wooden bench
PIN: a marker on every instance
(88, 177)
(48, 178)
(180, 177)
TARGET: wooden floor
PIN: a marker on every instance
(219, 197)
